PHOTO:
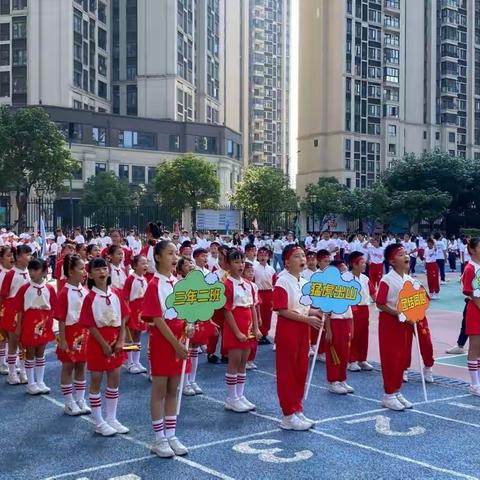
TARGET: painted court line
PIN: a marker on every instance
(395, 456)
(233, 439)
(447, 419)
(464, 405)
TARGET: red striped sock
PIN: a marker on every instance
(11, 361)
(29, 364)
(80, 387)
(170, 426)
(231, 381)
(111, 402)
(159, 429)
(241, 378)
(67, 391)
(95, 400)
(473, 371)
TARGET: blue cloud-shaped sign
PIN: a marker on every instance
(331, 291)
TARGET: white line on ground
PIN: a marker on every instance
(452, 356)
(233, 439)
(448, 419)
(464, 405)
(395, 456)
(444, 399)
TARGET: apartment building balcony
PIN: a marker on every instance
(393, 5)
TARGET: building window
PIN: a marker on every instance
(102, 65)
(348, 182)
(4, 84)
(151, 174)
(4, 55)
(392, 149)
(4, 32)
(230, 148)
(4, 7)
(99, 136)
(102, 38)
(140, 140)
(100, 168)
(19, 84)
(205, 144)
(102, 12)
(19, 56)
(424, 134)
(124, 172)
(77, 173)
(132, 101)
(138, 174)
(315, 143)
(77, 21)
(77, 105)
(451, 137)
(391, 74)
(437, 135)
(19, 4)
(102, 89)
(392, 130)
(174, 143)
(19, 27)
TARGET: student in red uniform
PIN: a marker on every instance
(292, 339)
(311, 266)
(6, 264)
(472, 316)
(35, 303)
(104, 313)
(249, 276)
(394, 336)
(240, 330)
(213, 256)
(11, 284)
(133, 293)
(167, 350)
(431, 267)
(218, 317)
(186, 249)
(359, 345)
(68, 248)
(251, 254)
(153, 234)
(265, 278)
(200, 259)
(338, 334)
(93, 251)
(116, 238)
(117, 270)
(375, 261)
(72, 340)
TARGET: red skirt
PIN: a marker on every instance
(97, 361)
(76, 337)
(37, 328)
(135, 322)
(243, 319)
(472, 316)
(203, 331)
(9, 320)
(164, 361)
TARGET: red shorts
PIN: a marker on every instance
(76, 337)
(9, 320)
(135, 322)
(472, 326)
(244, 321)
(203, 331)
(97, 361)
(163, 357)
(37, 328)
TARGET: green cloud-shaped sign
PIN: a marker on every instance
(195, 298)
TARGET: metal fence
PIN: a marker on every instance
(275, 221)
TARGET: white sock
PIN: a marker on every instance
(21, 364)
(111, 401)
(241, 378)
(29, 364)
(40, 369)
(12, 363)
(67, 391)
(170, 426)
(136, 355)
(194, 362)
(80, 387)
(130, 358)
(3, 353)
(231, 381)
(473, 371)
(159, 429)
(96, 406)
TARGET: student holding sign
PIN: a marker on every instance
(292, 339)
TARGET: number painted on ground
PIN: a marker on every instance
(382, 426)
(254, 447)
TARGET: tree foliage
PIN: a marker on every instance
(187, 181)
(264, 190)
(33, 154)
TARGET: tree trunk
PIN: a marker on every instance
(194, 218)
(21, 199)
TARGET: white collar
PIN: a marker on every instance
(73, 287)
(38, 285)
(101, 292)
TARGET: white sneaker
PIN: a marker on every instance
(13, 379)
(34, 389)
(188, 391)
(84, 408)
(105, 430)
(177, 446)
(23, 378)
(140, 368)
(354, 367)
(3, 369)
(117, 426)
(428, 374)
(247, 403)
(251, 366)
(405, 376)
(474, 390)
(43, 388)
(274, 347)
(404, 401)
(393, 403)
(293, 422)
(303, 418)
(133, 368)
(347, 387)
(162, 448)
(443, 282)
(72, 409)
(456, 350)
(365, 366)
(196, 388)
(235, 405)
(322, 357)
(338, 388)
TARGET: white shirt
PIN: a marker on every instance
(293, 287)
(61, 240)
(395, 283)
(106, 315)
(104, 241)
(409, 248)
(365, 291)
(79, 239)
(277, 246)
(264, 276)
(212, 262)
(430, 255)
(52, 249)
(242, 292)
(165, 288)
(130, 240)
(139, 287)
(37, 296)
(75, 296)
(307, 274)
(136, 246)
(376, 254)
(440, 250)
(118, 276)
(308, 241)
(464, 251)
(19, 279)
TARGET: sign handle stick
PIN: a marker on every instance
(312, 368)
(182, 379)
(420, 363)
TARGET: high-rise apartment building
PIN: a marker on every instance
(267, 122)
(381, 78)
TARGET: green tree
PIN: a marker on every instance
(104, 196)
(264, 192)
(187, 181)
(369, 204)
(33, 154)
(325, 197)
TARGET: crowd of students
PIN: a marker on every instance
(110, 297)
